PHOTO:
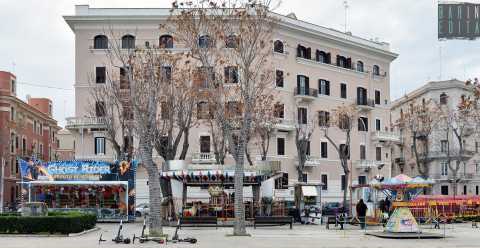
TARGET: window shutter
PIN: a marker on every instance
(349, 63)
(298, 83)
(338, 60)
(317, 55)
(329, 58)
(309, 53)
(327, 88)
(307, 83)
(299, 50)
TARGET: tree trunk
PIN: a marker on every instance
(239, 228)
(183, 155)
(155, 198)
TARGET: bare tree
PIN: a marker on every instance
(343, 120)
(243, 29)
(303, 134)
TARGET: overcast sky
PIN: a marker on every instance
(38, 46)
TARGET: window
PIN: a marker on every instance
(99, 145)
(302, 116)
(203, 110)
(41, 150)
(444, 190)
(378, 153)
(324, 182)
(278, 46)
(303, 52)
(322, 57)
(308, 148)
(100, 75)
(362, 180)
(231, 74)
(305, 177)
(281, 146)
(345, 151)
(464, 189)
(279, 110)
(166, 41)
(205, 144)
(282, 182)
(100, 109)
(376, 70)
(303, 85)
(476, 190)
(164, 110)
(323, 150)
(234, 109)
(444, 168)
(166, 73)
(443, 146)
(12, 114)
(363, 152)
(124, 83)
(203, 77)
(477, 145)
(443, 98)
(324, 119)
(477, 168)
(360, 66)
(279, 78)
(231, 41)
(324, 87)
(343, 181)
(344, 122)
(362, 96)
(378, 125)
(344, 62)
(14, 87)
(128, 42)
(100, 42)
(41, 129)
(24, 146)
(205, 41)
(343, 91)
(363, 124)
(12, 142)
(377, 97)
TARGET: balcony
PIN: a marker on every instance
(306, 94)
(466, 155)
(312, 161)
(399, 161)
(367, 164)
(365, 104)
(386, 136)
(203, 158)
(99, 157)
(285, 125)
(265, 167)
(85, 122)
(449, 176)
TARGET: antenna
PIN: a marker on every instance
(345, 5)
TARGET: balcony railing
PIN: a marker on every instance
(306, 93)
(312, 161)
(365, 103)
(367, 164)
(258, 166)
(466, 154)
(85, 122)
(203, 158)
(449, 176)
(399, 161)
(284, 124)
(99, 157)
(386, 136)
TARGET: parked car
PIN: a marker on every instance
(332, 208)
(142, 209)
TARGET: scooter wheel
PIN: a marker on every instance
(193, 241)
(141, 241)
(126, 241)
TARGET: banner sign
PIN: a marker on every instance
(64, 170)
(458, 21)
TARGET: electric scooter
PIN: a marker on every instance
(119, 238)
(144, 238)
(176, 239)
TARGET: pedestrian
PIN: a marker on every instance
(361, 212)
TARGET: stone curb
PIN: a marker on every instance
(50, 235)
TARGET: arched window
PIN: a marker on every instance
(278, 46)
(443, 98)
(205, 41)
(128, 42)
(231, 41)
(166, 41)
(360, 66)
(304, 52)
(100, 42)
(321, 56)
(376, 70)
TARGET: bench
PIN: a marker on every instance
(199, 221)
(341, 220)
(272, 221)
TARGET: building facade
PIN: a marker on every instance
(66, 145)
(448, 95)
(316, 68)
(26, 129)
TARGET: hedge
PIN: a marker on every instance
(63, 223)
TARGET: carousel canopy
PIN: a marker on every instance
(402, 181)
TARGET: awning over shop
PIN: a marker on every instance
(309, 191)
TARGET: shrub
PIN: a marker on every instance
(63, 223)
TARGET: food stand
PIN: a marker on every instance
(106, 189)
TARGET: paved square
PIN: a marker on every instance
(459, 236)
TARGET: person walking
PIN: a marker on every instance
(361, 212)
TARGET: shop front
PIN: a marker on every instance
(106, 189)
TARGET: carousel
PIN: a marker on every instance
(401, 190)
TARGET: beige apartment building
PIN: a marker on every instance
(317, 69)
(446, 94)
